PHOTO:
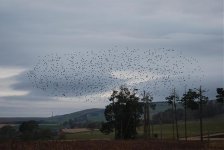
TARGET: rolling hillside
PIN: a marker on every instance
(96, 114)
(91, 115)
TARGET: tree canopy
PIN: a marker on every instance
(8, 132)
(123, 114)
(190, 99)
(29, 130)
(220, 96)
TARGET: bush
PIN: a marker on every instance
(8, 132)
(30, 131)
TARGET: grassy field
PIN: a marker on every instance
(211, 125)
(88, 136)
(95, 140)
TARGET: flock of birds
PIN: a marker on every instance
(89, 73)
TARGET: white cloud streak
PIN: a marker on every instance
(7, 80)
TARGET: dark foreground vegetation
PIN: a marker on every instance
(109, 145)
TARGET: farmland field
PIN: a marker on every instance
(87, 139)
(88, 136)
(210, 126)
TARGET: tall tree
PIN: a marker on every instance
(202, 100)
(220, 96)
(184, 101)
(147, 101)
(172, 99)
(189, 101)
(195, 101)
(123, 114)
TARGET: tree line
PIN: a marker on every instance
(124, 113)
(28, 130)
(128, 110)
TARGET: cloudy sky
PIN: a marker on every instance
(31, 30)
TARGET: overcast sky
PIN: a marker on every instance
(31, 30)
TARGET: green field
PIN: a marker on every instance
(88, 136)
(210, 125)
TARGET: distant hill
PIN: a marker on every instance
(97, 114)
(88, 115)
(162, 106)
